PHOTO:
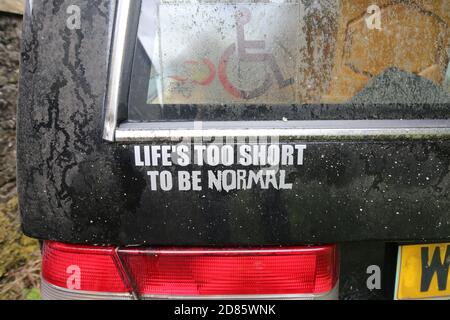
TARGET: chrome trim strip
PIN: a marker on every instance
(329, 129)
(397, 272)
(52, 292)
(115, 68)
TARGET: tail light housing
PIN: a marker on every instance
(82, 272)
(86, 272)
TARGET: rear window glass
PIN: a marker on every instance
(230, 56)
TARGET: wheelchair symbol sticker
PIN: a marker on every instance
(243, 17)
(249, 51)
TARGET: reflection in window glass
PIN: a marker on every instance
(293, 52)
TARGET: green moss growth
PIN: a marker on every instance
(17, 253)
(33, 294)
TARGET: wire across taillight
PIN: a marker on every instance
(191, 272)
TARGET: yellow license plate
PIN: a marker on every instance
(423, 271)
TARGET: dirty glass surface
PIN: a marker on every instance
(229, 56)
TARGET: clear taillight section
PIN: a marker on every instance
(190, 272)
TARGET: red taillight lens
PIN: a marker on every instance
(191, 272)
(84, 268)
(188, 272)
